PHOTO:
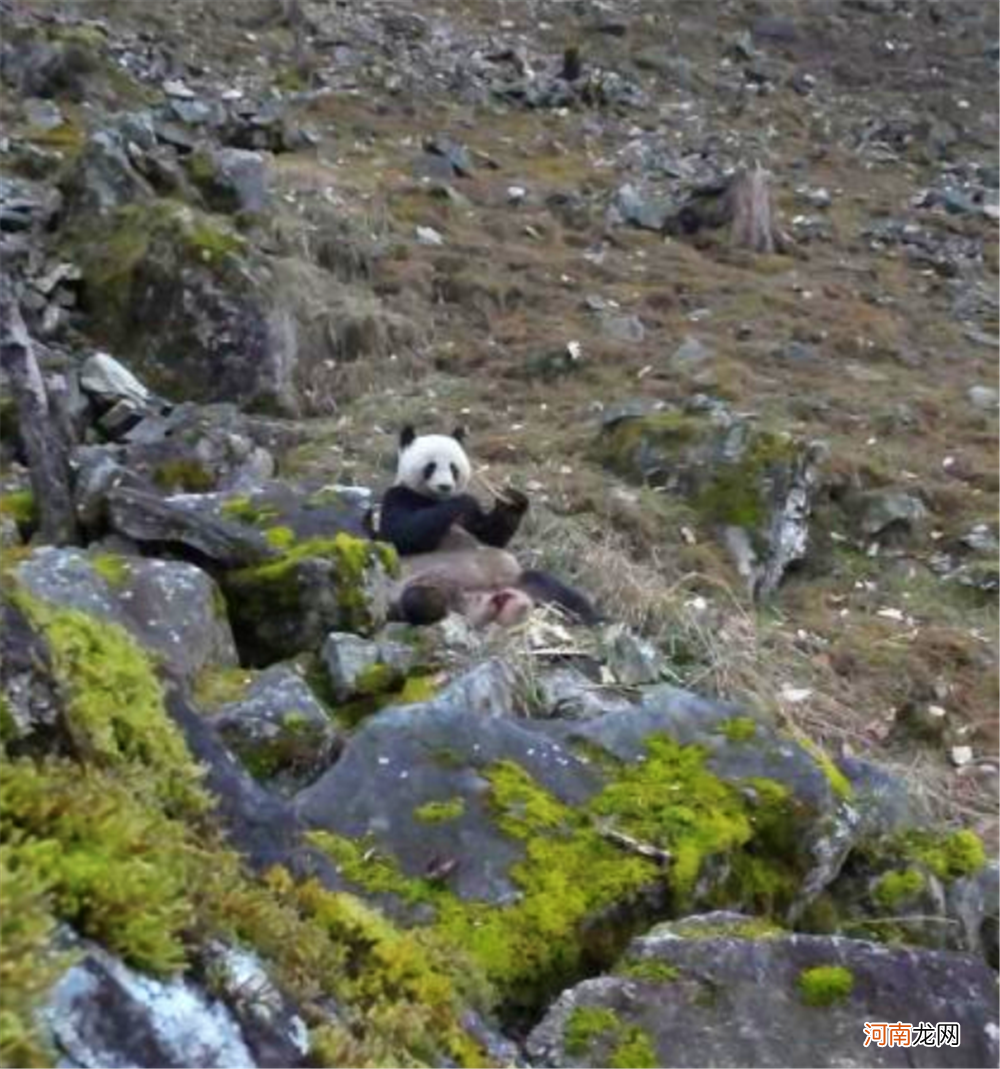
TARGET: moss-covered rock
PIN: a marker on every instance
(169, 607)
(735, 476)
(275, 725)
(176, 292)
(723, 992)
(537, 880)
(290, 605)
(897, 889)
(116, 839)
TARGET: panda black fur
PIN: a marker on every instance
(429, 498)
(448, 543)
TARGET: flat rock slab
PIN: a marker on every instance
(697, 992)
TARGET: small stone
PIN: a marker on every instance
(632, 660)
(882, 509)
(349, 658)
(961, 755)
(43, 115)
(427, 235)
(623, 328)
(980, 539)
(516, 194)
(641, 211)
(456, 154)
(177, 88)
(192, 112)
(103, 376)
(691, 353)
(796, 352)
(984, 397)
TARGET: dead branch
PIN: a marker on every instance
(39, 425)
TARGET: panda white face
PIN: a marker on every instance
(434, 465)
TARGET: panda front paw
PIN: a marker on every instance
(466, 507)
(513, 500)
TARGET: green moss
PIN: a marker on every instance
(375, 679)
(114, 702)
(839, 783)
(672, 801)
(28, 965)
(119, 847)
(571, 873)
(214, 687)
(362, 865)
(736, 494)
(282, 538)
(625, 446)
(417, 688)
(112, 568)
(894, 888)
(739, 728)
(634, 1050)
(293, 746)
(115, 866)
(751, 928)
(948, 855)
(243, 509)
(257, 592)
(8, 725)
(19, 505)
(587, 1024)
(821, 916)
(184, 475)
(825, 985)
(68, 137)
(629, 1045)
(523, 807)
(649, 970)
(439, 812)
(291, 80)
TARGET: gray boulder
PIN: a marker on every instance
(359, 667)
(890, 511)
(101, 1013)
(172, 608)
(103, 178)
(231, 179)
(561, 839)
(279, 730)
(724, 990)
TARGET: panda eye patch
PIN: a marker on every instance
(454, 472)
(429, 470)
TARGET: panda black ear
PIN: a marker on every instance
(407, 436)
(458, 434)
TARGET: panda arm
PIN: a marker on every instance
(414, 524)
(498, 526)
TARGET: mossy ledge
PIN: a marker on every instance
(116, 839)
(582, 897)
(272, 603)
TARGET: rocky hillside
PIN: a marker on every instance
(716, 286)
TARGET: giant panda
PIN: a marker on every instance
(452, 554)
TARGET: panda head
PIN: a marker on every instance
(434, 465)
